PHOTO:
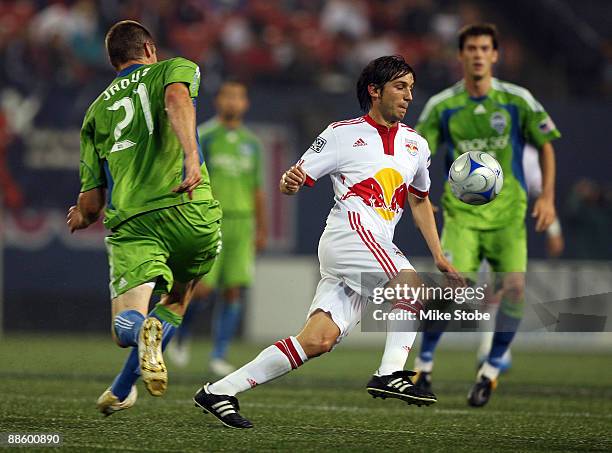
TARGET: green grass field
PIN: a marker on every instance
(548, 402)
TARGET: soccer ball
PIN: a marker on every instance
(476, 177)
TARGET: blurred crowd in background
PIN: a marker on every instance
(53, 64)
(322, 42)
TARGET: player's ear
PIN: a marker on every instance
(247, 102)
(460, 55)
(495, 56)
(373, 91)
(149, 49)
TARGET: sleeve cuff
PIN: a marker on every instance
(417, 192)
(309, 181)
(87, 188)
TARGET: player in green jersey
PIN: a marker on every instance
(233, 157)
(140, 158)
(481, 113)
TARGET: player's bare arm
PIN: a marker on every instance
(87, 210)
(422, 213)
(182, 117)
(292, 180)
(544, 209)
(261, 222)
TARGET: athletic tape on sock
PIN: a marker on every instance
(163, 313)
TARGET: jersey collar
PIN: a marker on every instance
(478, 98)
(129, 70)
(387, 135)
(379, 127)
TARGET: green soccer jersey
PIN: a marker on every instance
(499, 123)
(129, 147)
(233, 157)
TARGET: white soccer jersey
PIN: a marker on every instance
(372, 170)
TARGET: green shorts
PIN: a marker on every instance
(504, 248)
(177, 243)
(236, 264)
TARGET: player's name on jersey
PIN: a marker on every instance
(430, 315)
(124, 83)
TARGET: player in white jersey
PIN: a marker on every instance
(377, 164)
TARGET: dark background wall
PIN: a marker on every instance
(301, 67)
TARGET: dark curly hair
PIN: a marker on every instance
(378, 72)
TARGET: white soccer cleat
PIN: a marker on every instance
(152, 367)
(221, 368)
(108, 403)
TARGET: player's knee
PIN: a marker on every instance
(115, 338)
(315, 346)
(514, 293)
(232, 295)
(327, 343)
(201, 291)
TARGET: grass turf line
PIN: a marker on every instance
(549, 402)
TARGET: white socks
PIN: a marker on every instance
(274, 361)
(397, 348)
(487, 370)
(400, 338)
(420, 365)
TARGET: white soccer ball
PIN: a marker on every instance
(476, 177)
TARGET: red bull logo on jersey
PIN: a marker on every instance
(412, 147)
(385, 192)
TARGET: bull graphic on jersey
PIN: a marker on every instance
(385, 192)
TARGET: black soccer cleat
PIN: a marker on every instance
(480, 393)
(399, 385)
(422, 380)
(224, 407)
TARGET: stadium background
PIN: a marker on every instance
(301, 59)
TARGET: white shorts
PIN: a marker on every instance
(353, 263)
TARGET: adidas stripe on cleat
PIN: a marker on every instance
(399, 385)
(223, 407)
(152, 366)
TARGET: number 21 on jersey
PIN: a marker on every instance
(128, 105)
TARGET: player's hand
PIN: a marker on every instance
(455, 279)
(75, 220)
(544, 213)
(292, 180)
(193, 175)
